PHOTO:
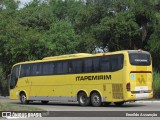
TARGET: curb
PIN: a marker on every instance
(4, 96)
(156, 101)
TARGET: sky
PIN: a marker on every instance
(23, 2)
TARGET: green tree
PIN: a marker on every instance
(117, 32)
(60, 39)
(144, 15)
(154, 45)
(55, 27)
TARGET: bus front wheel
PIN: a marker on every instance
(83, 100)
(23, 98)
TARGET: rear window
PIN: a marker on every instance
(139, 59)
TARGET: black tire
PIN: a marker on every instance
(44, 102)
(96, 99)
(118, 103)
(83, 100)
(23, 99)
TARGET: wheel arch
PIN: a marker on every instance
(23, 91)
(88, 95)
(97, 92)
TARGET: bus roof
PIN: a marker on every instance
(67, 56)
(74, 56)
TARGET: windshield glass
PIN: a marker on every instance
(14, 77)
(139, 58)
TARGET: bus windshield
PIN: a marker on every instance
(14, 77)
(139, 58)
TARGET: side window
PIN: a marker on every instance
(59, 69)
(14, 76)
(77, 66)
(65, 67)
(25, 70)
(96, 64)
(48, 68)
(117, 62)
(62, 67)
(120, 61)
(88, 65)
(114, 63)
(105, 64)
(70, 67)
(36, 69)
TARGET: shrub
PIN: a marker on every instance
(156, 84)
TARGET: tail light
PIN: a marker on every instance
(128, 86)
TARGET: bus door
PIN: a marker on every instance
(24, 82)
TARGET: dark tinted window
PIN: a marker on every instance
(62, 67)
(77, 66)
(111, 63)
(141, 59)
(116, 62)
(48, 68)
(88, 65)
(65, 67)
(59, 67)
(36, 69)
(108, 63)
(105, 64)
(25, 70)
(96, 64)
(14, 76)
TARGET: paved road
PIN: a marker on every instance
(128, 107)
(137, 106)
(59, 106)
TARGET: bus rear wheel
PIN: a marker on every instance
(23, 98)
(83, 100)
(96, 99)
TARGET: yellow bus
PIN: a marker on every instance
(113, 77)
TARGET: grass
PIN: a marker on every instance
(156, 84)
(15, 107)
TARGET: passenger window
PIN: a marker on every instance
(88, 65)
(48, 68)
(36, 69)
(114, 64)
(105, 64)
(96, 64)
(77, 66)
(65, 67)
(59, 67)
(25, 70)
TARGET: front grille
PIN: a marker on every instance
(117, 90)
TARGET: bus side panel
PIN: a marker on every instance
(23, 84)
(51, 87)
(14, 94)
